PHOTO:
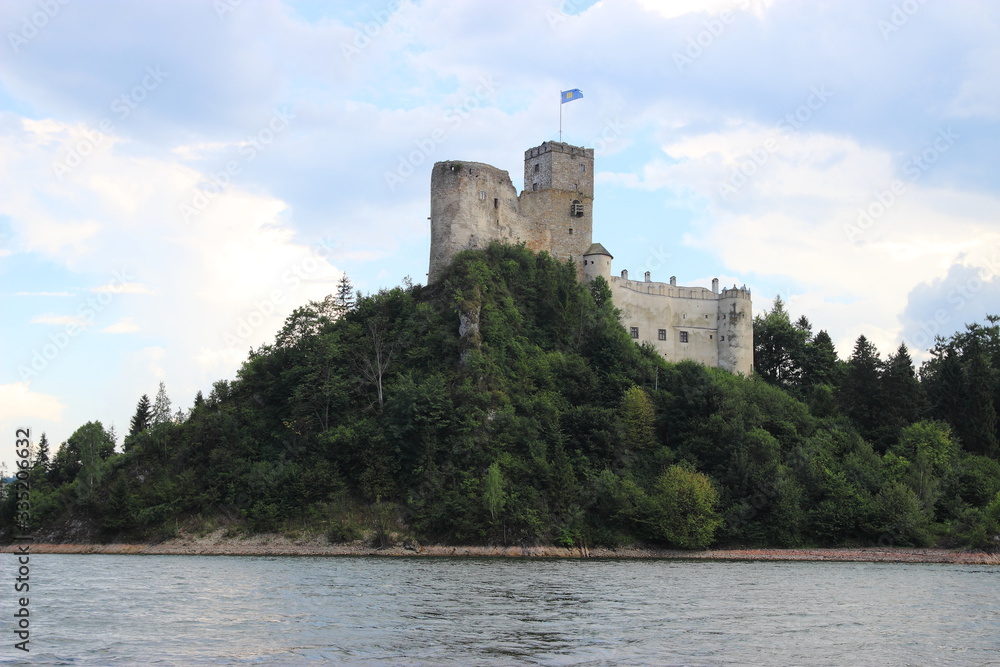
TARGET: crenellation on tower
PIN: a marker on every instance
(474, 204)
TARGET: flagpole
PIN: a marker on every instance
(560, 117)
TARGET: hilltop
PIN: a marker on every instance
(506, 405)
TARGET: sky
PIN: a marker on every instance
(176, 177)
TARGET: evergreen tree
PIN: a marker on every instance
(42, 456)
(902, 394)
(820, 365)
(978, 428)
(345, 299)
(779, 346)
(945, 383)
(141, 420)
(161, 407)
(860, 392)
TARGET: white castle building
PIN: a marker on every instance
(473, 204)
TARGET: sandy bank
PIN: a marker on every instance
(277, 545)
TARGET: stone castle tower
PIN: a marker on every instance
(473, 204)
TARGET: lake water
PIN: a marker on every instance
(284, 610)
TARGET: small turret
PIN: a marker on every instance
(597, 262)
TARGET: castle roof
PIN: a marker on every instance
(597, 249)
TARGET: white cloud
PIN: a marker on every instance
(674, 8)
(152, 359)
(122, 288)
(61, 320)
(125, 325)
(22, 405)
(44, 294)
(794, 218)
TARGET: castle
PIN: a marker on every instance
(473, 204)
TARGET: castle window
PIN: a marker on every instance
(534, 187)
(496, 204)
(583, 169)
(722, 338)
(662, 334)
(571, 231)
(634, 332)
(482, 195)
(576, 208)
(684, 336)
(711, 337)
(536, 168)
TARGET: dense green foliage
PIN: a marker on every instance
(506, 404)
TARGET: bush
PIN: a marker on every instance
(686, 503)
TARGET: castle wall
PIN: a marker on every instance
(652, 307)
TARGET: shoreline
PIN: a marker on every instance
(279, 545)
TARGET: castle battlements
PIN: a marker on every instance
(474, 204)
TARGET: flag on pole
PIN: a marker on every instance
(570, 95)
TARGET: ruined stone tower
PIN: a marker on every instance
(473, 204)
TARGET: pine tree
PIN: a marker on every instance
(903, 396)
(42, 456)
(945, 382)
(860, 393)
(979, 426)
(161, 407)
(345, 299)
(141, 420)
(820, 364)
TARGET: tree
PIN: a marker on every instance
(142, 418)
(932, 455)
(860, 393)
(42, 455)
(686, 513)
(600, 291)
(494, 496)
(902, 395)
(82, 458)
(779, 346)
(945, 381)
(161, 407)
(375, 356)
(638, 419)
(345, 295)
(978, 429)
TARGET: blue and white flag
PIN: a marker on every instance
(570, 95)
